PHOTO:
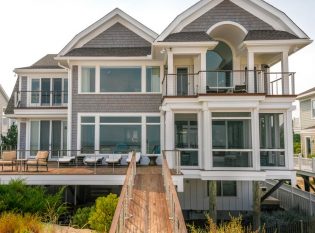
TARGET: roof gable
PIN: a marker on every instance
(116, 21)
(262, 16)
(117, 36)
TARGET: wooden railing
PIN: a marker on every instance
(174, 208)
(122, 209)
(304, 164)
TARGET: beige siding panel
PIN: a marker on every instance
(303, 140)
(306, 114)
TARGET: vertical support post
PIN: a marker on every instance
(256, 207)
(203, 75)
(170, 78)
(300, 162)
(313, 165)
(207, 142)
(213, 200)
(250, 68)
(169, 139)
(75, 195)
(285, 75)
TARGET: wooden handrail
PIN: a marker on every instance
(121, 212)
(174, 208)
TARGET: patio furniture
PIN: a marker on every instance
(66, 160)
(41, 159)
(138, 157)
(113, 159)
(93, 160)
(8, 159)
(240, 89)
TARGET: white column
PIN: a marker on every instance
(170, 70)
(69, 115)
(169, 137)
(207, 139)
(162, 132)
(203, 75)
(285, 70)
(250, 68)
(143, 135)
(255, 139)
(289, 137)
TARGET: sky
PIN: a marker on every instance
(32, 28)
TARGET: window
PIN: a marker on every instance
(120, 79)
(226, 189)
(153, 79)
(88, 79)
(231, 140)
(49, 91)
(120, 134)
(88, 135)
(186, 138)
(153, 135)
(272, 148)
(313, 108)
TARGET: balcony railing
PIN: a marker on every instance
(229, 81)
(24, 99)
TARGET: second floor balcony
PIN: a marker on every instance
(41, 99)
(229, 82)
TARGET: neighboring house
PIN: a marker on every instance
(5, 122)
(203, 86)
(307, 118)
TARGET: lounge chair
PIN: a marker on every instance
(41, 159)
(138, 157)
(240, 89)
(113, 159)
(66, 160)
(93, 160)
(8, 159)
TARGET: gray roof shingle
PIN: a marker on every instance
(269, 35)
(110, 52)
(46, 62)
(10, 107)
(188, 37)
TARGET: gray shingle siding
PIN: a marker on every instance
(102, 103)
(22, 136)
(23, 92)
(10, 107)
(227, 11)
(117, 36)
(306, 115)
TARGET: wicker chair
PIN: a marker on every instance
(41, 159)
(8, 159)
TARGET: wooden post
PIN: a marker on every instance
(213, 200)
(256, 205)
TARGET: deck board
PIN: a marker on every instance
(148, 207)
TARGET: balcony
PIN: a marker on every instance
(229, 82)
(41, 99)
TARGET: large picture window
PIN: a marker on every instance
(231, 140)
(272, 148)
(88, 135)
(153, 135)
(120, 134)
(120, 79)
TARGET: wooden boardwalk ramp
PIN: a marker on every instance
(148, 202)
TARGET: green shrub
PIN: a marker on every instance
(102, 215)
(297, 148)
(282, 217)
(17, 223)
(81, 217)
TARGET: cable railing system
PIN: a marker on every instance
(174, 208)
(122, 209)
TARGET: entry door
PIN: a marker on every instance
(182, 81)
(308, 146)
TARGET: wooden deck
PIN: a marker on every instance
(148, 208)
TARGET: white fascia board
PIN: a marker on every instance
(306, 95)
(99, 23)
(143, 58)
(66, 179)
(30, 71)
(280, 15)
(279, 174)
(26, 113)
(232, 98)
(188, 16)
(277, 42)
(205, 44)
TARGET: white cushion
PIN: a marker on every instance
(66, 159)
(92, 159)
(113, 158)
(138, 157)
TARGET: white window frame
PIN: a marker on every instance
(97, 127)
(312, 109)
(97, 71)
(251, 118)
(145, 78)
(29, 93)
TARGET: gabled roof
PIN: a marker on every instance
(3, 93)
(10, 106)
(271, 15)
(188, 37)
(269, 35)
(46, 62)
(112, 18)
(306, 93)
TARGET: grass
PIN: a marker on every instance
(17, 223)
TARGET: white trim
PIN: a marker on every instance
(30, 71)
(115, 15)
(241, 27)
(312, 108)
